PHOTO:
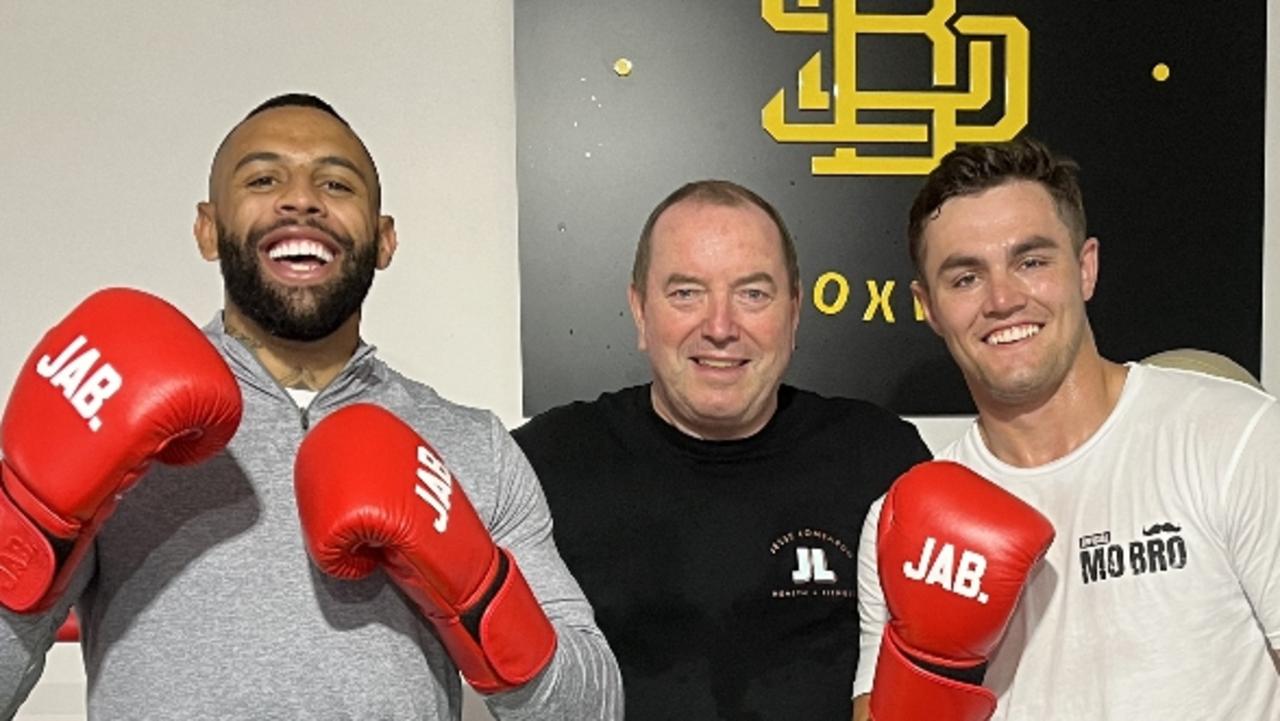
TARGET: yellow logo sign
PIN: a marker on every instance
(845, 24)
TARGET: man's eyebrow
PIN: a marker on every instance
(344, 163)
(959, 261)
(759, 277)
(261, 155)
(1034, 243)
(1030, 245)
(269, 157)
(679, 278)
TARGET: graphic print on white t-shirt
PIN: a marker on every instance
(1161, 550)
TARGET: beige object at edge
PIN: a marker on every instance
(1203, 361)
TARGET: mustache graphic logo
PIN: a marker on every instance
(1161, 528)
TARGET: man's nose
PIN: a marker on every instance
(720, 326)
(300, 197)
(1006, 294)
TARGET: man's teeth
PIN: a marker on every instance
(301, 249)
(1016, 333)
(715, 363)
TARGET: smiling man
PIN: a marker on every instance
(292, 218)
(198, 600)
(1160, 596)
(712, 515)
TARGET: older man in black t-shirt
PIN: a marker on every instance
(712, 516)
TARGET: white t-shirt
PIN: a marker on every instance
(1160, 595)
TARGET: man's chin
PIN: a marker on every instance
(1020, 389)
(730, 421)
(304, 331)
(295, 319)
(293, 293)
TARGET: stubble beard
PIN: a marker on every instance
(1033, 384)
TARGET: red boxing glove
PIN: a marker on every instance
(954, 551)
(123, 379)
(371, 492)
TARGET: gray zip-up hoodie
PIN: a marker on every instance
(199, 601)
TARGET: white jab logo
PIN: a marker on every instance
(965, 580)
(435, 485)
(70, 372)
(811, 565)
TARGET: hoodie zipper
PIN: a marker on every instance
(304, 416)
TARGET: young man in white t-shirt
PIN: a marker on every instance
(1160, 597)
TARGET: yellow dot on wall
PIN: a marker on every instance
(622, 67)
(1160, 72)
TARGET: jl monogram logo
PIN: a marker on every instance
(811, 565)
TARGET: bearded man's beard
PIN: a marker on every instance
(295, 313)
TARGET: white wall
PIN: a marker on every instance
(110, 115)
(112, 111)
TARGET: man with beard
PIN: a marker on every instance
(197, 598)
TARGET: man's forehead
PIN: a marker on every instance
(1006, 208)
(694, 209)
(292, 131)
(696, 222)
(1013, 197)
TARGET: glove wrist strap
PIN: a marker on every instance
(506, 640)
(27, 560)
(904, 691)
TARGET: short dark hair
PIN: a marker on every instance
(296, 100)
(715, 192)
(305, 100)
(971, 169)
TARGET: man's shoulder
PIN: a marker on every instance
(1206, 408)
(1180, 386)
(580, 416)
(855, 411)
(421, 404)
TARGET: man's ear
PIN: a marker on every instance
(387, 241)
(1089, 267)
(206, 230)
(920, 292)
(635, 299)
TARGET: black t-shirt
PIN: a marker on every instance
(723, 573)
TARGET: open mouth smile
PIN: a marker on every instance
(299, 255)
(720, 363)
(1012, 334)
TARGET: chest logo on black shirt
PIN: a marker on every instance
(811, 565)
(1160, 550)
(818, 564)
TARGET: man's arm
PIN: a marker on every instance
(26, 638)
(872, 612)
(582, 681)
(862, 707)
(1252, 503)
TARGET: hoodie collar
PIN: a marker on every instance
(360, 371)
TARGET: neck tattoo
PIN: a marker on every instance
(245, 340)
